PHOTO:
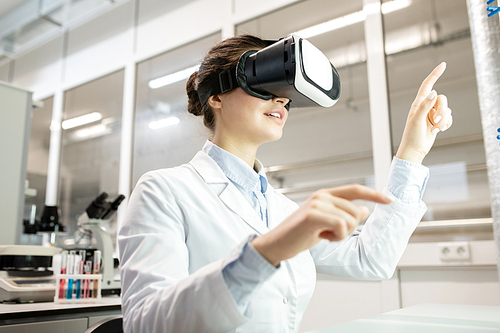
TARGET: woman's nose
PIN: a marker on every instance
(283, 100)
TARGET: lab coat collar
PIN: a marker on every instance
(209, 171)
(237, 170)
(213, 176)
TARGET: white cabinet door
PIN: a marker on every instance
(468, 285)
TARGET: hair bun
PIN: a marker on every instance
(222, 56)
(194, 105)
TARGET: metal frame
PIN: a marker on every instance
(378, 93)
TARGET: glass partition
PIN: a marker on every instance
(419, 37)
(322, 147)
(165, 134)
(90, 155)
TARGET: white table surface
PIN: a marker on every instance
(50, 306)
(425, 318)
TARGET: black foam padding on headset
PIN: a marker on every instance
(242, 82)
(241, 79)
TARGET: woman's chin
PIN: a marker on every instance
(274, 136)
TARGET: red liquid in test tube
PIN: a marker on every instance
(62, 282)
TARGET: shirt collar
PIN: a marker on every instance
(236, 169)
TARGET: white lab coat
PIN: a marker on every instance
(184, 224)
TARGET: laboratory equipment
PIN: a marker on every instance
(91, 232)
(50, 220)
(26, 273)
(77, 284)
(15, 123)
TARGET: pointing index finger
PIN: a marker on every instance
(428, 83)
(359, 192)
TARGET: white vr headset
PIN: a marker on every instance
(291, 67)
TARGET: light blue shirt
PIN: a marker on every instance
(246, 274)
(252, 183)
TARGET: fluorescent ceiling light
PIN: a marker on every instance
(82, 120)
(334, 24)
(392, 6)
(172, 78)
(170, 121)
(91, 132)
(350, 19)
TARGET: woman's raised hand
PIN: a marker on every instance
(327, 214)
(429, 114)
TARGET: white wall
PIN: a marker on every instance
(41, 70)
(4, 72)
(100, 46)
(190, 22)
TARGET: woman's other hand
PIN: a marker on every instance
(327, 214)
(429, 114)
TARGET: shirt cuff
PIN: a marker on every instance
(407, 180)
(245, 273)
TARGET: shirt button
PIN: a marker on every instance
(285, 300)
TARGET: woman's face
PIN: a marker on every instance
(245, 119)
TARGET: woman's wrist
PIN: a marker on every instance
(266, 250)
(410, 157)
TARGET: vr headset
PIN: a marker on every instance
(291, 67)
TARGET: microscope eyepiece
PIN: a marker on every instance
(101, 198)
(97, 206)
(117, 202)
(102, 209)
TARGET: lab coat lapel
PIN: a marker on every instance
(235, 201)
(228, 194)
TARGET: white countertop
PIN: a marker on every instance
(5, 309)
(428, 318)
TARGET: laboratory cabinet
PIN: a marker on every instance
(56, 326)
(425, 274)
(16, 109)
(428, 274)
(75, 325)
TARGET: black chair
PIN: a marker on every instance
(108, 325)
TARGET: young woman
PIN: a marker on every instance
(209, 246)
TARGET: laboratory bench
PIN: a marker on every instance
(428, 318)
(53, 317)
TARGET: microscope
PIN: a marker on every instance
(91, 232)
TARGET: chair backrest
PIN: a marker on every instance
(109, 325)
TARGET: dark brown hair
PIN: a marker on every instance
(222, 56)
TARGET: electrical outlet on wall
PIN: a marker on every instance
(454, 251)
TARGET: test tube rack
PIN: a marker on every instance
(94, 294)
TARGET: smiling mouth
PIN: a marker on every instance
(273, 114)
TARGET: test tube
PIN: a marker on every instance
(76, 271)
(97, 266)
(79, 270)
(62, 282)
(86, 288)
(71, 267)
